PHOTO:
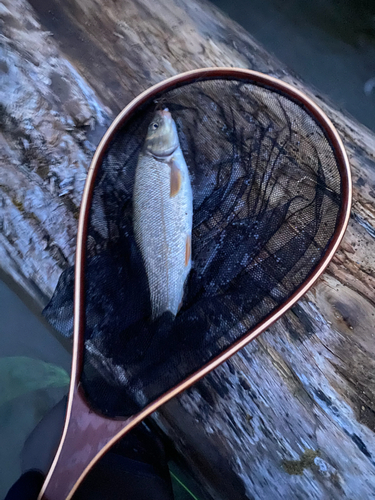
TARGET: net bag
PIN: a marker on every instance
(270, 201)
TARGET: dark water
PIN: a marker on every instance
(331, 45)
(28, 390)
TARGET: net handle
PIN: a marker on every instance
(84, 441)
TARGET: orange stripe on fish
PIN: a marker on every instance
(187, 250)
(176, 178)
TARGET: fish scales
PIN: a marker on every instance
(162, 204)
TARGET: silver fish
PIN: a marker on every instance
(163, 214)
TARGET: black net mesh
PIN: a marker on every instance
(266, 195)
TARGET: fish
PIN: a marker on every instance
(163, 214)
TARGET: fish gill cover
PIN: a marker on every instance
(266, 201)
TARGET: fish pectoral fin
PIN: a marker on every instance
(176, 178)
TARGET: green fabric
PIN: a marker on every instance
(20, 375)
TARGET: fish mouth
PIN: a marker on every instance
(166, 113)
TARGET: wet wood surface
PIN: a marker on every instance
(292, 415)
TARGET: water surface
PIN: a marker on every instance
(329, 43)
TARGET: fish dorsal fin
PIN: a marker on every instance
(187, 249)
(176, 177)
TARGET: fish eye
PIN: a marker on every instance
(155, 125)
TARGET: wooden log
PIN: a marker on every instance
(293, 414)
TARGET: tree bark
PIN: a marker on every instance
(293, 414)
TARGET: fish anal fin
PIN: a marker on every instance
(176, 178)
(187, 249)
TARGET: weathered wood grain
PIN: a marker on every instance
(291, 416)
